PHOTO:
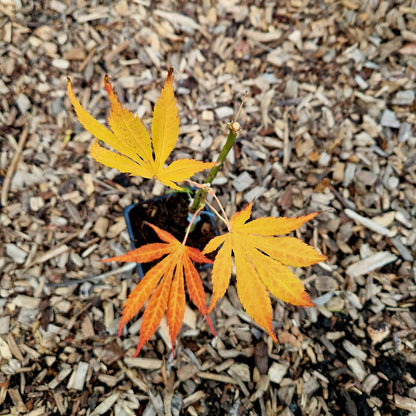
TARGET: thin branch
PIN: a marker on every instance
(13, 165)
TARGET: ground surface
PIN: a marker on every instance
(328, 124)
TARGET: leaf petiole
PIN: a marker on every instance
(191, 226)
(206, 187)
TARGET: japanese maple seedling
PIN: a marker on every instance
(262, 255)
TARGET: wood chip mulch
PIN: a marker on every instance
(328, 124)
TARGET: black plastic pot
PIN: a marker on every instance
(169, 212)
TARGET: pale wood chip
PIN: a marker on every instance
(145, 363)
(371, 263)
(78, 377)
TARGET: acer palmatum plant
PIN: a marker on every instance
(262, 254)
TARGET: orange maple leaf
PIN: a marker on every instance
(164, 284)
(261, 260)
(131, 140)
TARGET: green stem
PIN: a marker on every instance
(234, 129)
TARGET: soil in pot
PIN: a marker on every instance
(169, 213)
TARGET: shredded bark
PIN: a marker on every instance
(328, 124)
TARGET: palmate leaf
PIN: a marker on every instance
(261, 260)
(137, 153)
(164, 285)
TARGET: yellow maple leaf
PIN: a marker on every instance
(138, 154)
(261, 260)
